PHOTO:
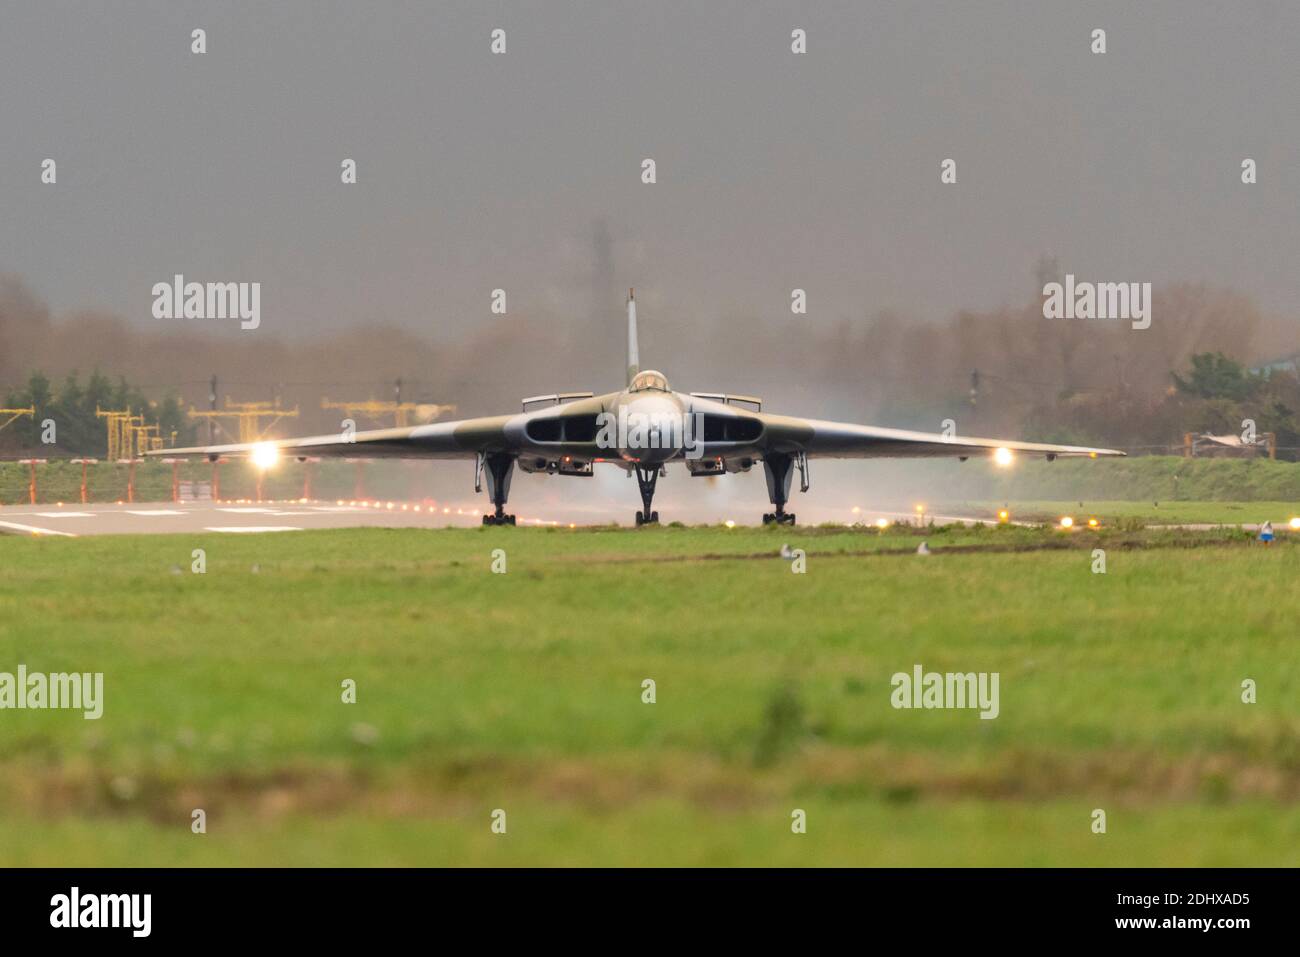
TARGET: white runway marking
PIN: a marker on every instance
(65, 514)
(154, 511)
(253, 528)
(34, 530)
(248, 511)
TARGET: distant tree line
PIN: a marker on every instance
(72, 406)
(1219, 394)
(1215, 394)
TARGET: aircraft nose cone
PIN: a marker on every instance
(653, 432)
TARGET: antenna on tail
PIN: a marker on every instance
(633, 356)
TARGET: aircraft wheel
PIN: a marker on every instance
(654, 518)
(639, 520)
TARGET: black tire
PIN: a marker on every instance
(639, 520)
(654, 518)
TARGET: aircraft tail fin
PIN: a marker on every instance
(633, 353)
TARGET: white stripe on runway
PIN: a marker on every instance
(65, 514)
(154, 511)
(253, 528)
(34, 530)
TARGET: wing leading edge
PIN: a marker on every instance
(818, 438)
(439, 440)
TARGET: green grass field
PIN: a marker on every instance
(1154, 512)
(522, 691)
(60, 481)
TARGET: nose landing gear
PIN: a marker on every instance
(646, 479)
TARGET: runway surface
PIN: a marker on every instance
(234, 518)
(162, 518)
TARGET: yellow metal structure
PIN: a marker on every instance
(147, 438)
(253, 419)
(121, 438)
(15, 414)
(377, 410)
(128, 436)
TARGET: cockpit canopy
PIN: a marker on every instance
(648, 381)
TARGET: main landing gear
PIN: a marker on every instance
(646, 479)
(779, 470)
(499, 469)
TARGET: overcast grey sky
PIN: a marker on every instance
(479, 171)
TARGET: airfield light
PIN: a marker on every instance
(856, 510)
(729, 523)
(882, 523)
(1067, 522)
(1295, 523)
(1092, 523)
(571, 525)
(1092, 455)
(1004, 516)
(265, 455)
(1003, 457)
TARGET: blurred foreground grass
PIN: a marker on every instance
(522, 691)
